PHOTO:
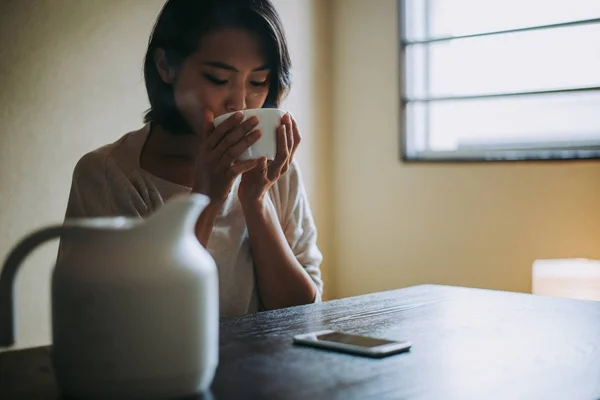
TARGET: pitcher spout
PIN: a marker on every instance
(179, 215)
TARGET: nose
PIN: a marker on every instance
(236, 99)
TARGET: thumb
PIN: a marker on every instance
(206, 125)
(263, 163)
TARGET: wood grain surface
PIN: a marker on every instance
(467, 344)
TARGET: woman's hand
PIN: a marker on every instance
(281, 279)
(257, 181)
(216, 164)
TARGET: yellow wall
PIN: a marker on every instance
(401, 224)
(71, 79)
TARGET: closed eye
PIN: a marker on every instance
(259, 84)
(214, 80)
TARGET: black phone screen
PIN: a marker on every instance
(355, 340)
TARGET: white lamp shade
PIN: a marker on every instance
(571, 278)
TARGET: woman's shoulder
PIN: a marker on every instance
(91, 163)
(120, 154)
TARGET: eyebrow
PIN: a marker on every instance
(218, 64)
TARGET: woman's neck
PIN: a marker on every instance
(170, 156)
(164, 144)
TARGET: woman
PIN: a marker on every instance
(206, 58)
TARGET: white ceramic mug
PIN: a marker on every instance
(269, 121)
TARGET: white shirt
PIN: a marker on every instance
(110, 182)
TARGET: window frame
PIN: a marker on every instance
(549, 153)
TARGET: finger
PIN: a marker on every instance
(244, 166)
(233, 137)
(297, 138)
(281, 156)
(207, 123)
(290, 143)
(224, 128)
(287, 120)
(263, 164)
(234, 152)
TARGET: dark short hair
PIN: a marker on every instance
(179, 28)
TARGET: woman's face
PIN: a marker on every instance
(228, 73)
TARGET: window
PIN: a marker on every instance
(500, 79)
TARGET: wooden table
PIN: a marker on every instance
(467, 344)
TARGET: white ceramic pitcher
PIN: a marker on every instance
(135, 305)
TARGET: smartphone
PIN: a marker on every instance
(353, 344)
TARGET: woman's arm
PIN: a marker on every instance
(282, 280)
(286, 258)
(206, 222)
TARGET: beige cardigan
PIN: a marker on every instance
(110, 182)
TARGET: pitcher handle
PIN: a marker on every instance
(9, 271)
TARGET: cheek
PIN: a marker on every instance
(193, 94)
(256, 98)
